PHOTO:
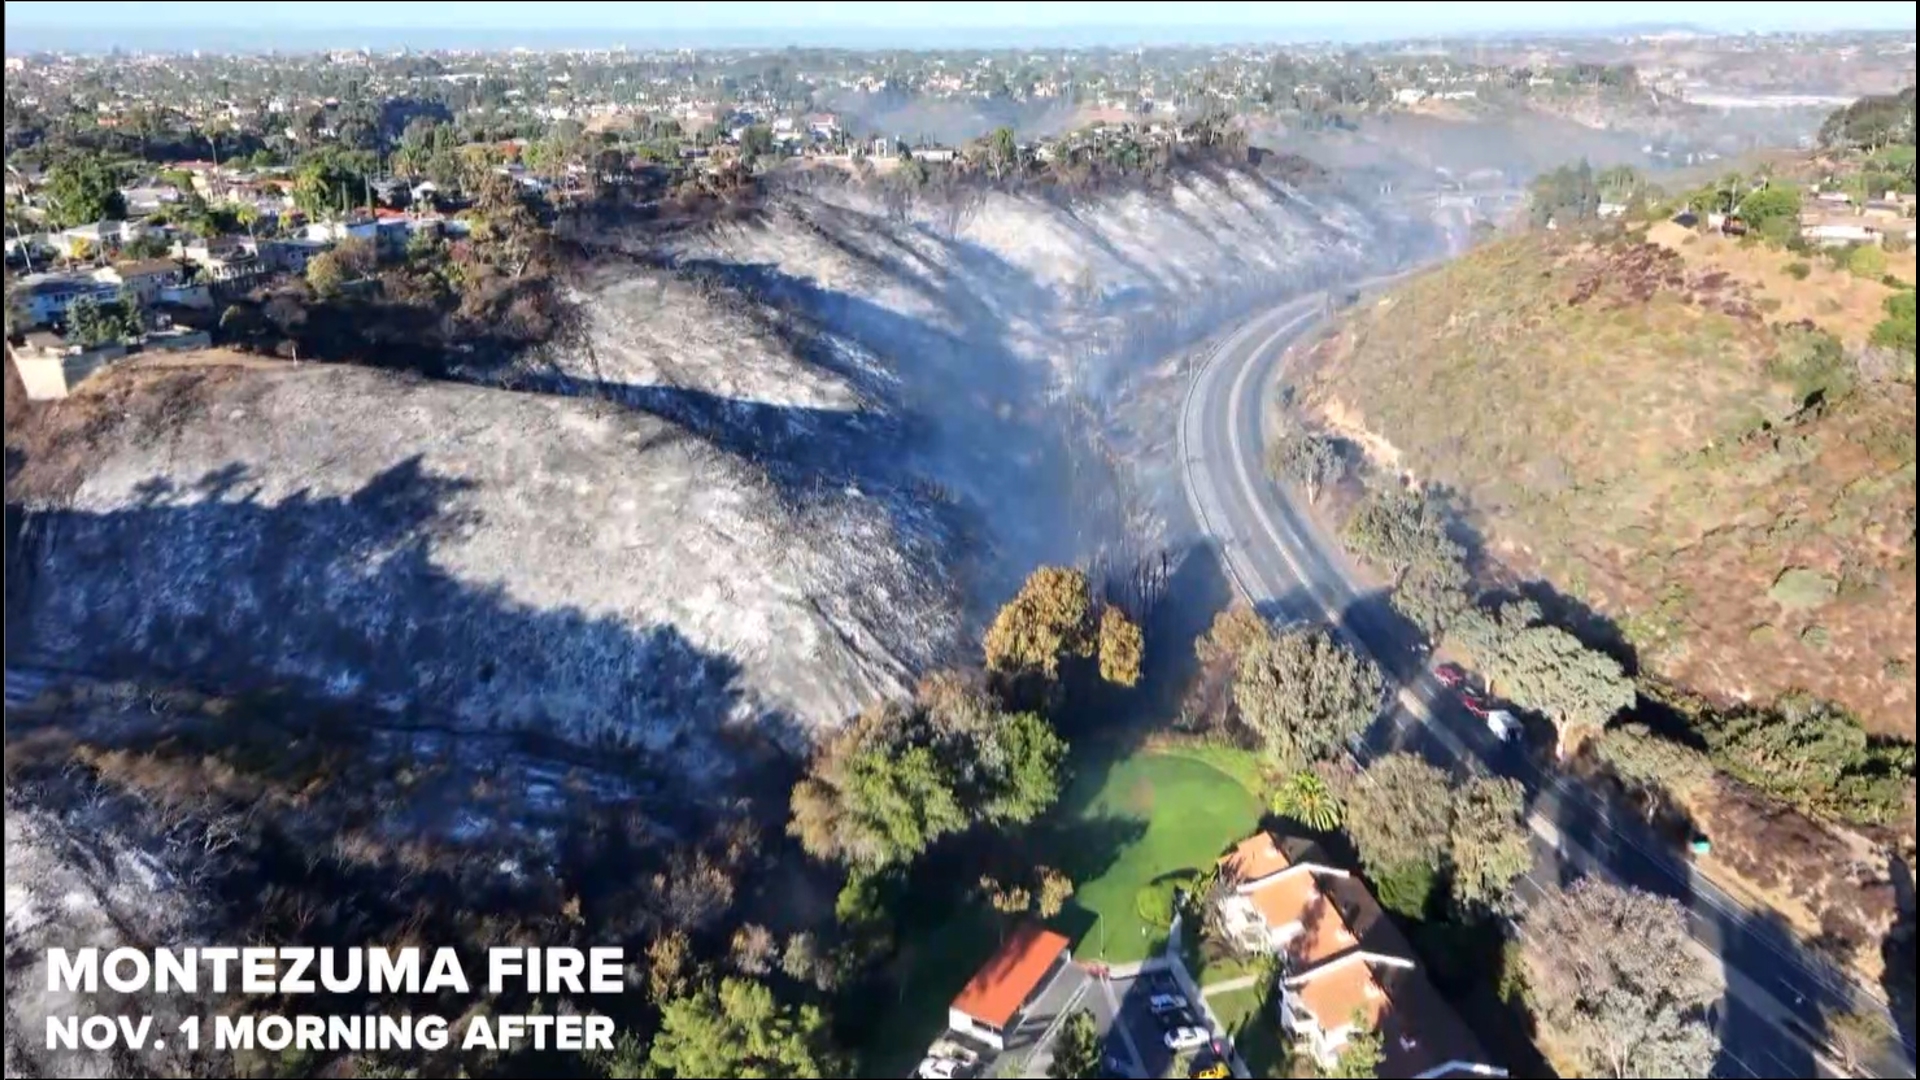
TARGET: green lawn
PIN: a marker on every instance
(1119, 826)
(1254, 1028)
(1127, 824)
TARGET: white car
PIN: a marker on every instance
(1185, 1038)
(938, 1068)
(1503, 724)
(1165, 1003)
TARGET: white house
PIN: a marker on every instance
(1343, 964)
(1833, 230)
(96, 236)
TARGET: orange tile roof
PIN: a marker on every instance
(1285, 901)
(1004, 983)
(1256, 857)
(1334, 996)
(1325, 936)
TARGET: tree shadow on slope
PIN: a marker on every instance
(342, 598)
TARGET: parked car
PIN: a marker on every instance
(1185, 1038)
(1163, 1003)
(1503, 724)
(1451, 674)
(1177, 1018)
(939, 1069)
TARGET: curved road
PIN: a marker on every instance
(1280, 562)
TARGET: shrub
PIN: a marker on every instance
(1155, 901)
(1813, 362)
(1896, 331)
(1798, 270)
(1799, 587)
(1405, 889)
(1867, 261)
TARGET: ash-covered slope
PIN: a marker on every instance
(482, 557)
(973, 343)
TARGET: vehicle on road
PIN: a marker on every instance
(1451, 674)
(1503, 724)
(1165, 1003)
(1476, 704)
(1185, 1038)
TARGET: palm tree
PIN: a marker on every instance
(1306, 798)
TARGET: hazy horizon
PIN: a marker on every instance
(301, 27)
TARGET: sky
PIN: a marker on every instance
(186, 24)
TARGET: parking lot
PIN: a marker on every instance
(1134, 1038)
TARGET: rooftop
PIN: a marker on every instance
(1333, 996)
(1256, 857)
(1009, 978)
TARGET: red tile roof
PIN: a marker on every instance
(998, 989)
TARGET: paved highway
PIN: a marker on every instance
(1280, 561)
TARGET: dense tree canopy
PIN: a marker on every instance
(1488, 844)
(82, 189)
(1122, 648)
(1543, 667)
(1873, 121)
(1304, 693)
(907, 773)
(1814, 754)
(1306, 458)
(1612, 976)
(1076, 1050)
(738, 1029)
(1407, 532)
(1050, 618)
(1396, 812)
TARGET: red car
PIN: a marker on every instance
(1475, 704)
(1451, 675)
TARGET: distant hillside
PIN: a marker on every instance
(1638, 426)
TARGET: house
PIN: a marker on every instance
(291, 255)
(1833, 230)
(147, 198)
(143, 278)
(988, 1008)
(426, 191)
(1611, 210)
(44, 299)
(353, 228)
(223, 258)
(50, 367)
(1833, 199)
(1883, 208)
(1342, 962)
(83, 240)
(824, 125)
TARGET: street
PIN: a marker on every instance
(1277, 558)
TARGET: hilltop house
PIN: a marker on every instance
(44, 299)
(144, 278)
(990, 1006)
(1342, 961)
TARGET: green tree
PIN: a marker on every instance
(1076, 1050)
(1543, 667)
(738, 1029)
(1052, 892)
(91, 322)
(329, 182)
(1407, 531)
(1122, 648)
(1051, 617)
(1304, 693)
(1305, 797)
(1396, 812)
(905, 774)
(1773, 211)
(1488, 843)
(1814, 754)
(1305, 458)
(82, 189)
(1360, 1056)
